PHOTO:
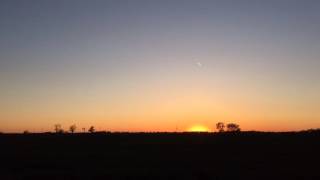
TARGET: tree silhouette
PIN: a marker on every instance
(73, 128)
(232, 127)
(220, 126)
(91, 129)
(58, 128)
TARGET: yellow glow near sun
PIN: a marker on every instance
(198, 128)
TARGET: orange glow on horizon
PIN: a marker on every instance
(199, 128)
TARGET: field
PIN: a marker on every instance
(187, 156)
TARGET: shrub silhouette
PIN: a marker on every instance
(220, 126)
(72, 128)
(58, 128)
(232, 127)
(91, 129)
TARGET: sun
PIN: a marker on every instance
(198, 128)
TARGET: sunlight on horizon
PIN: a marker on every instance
(198, 128)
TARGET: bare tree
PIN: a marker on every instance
(91, 129)
(58, 128)
(72, 128)
(220, 126)
(232, 127)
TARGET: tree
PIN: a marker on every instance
(232, 127)
(58, 128)
(73, 128)
(91, 129)
(220, 126)
(26, 132)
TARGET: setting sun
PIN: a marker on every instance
(198, 128)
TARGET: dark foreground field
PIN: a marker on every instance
(247, 155)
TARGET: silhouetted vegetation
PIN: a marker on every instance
(232, 127)
(72, 128)
(58, 128)
(91, 129)
(220, 126)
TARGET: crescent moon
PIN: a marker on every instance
(199, 64)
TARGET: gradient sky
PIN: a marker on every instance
(157, 65)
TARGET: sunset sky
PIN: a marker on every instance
(157, 65)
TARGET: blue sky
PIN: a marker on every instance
(59, 59)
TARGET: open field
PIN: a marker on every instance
(245, 155)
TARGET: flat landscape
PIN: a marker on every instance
(240, 155)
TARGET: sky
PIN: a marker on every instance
(151, 65)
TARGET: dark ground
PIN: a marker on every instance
(246, 155)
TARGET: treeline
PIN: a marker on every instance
(231, 127)
(221, 127)
(72, 129)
